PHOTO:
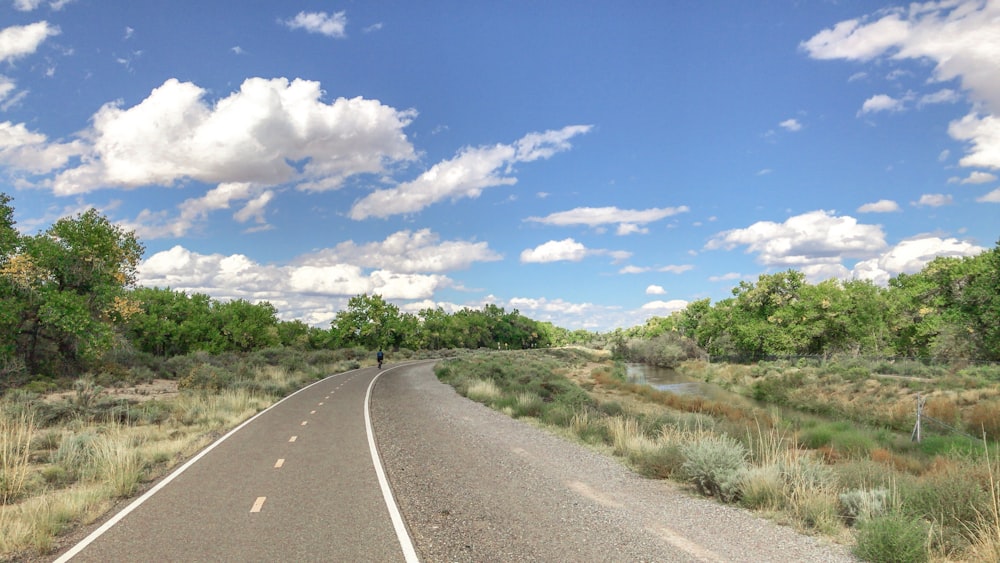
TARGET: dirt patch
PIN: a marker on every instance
(161, 389)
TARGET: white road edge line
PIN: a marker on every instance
(166, 480)
(409, 553)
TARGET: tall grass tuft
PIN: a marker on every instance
(16, 430)
(117, 461)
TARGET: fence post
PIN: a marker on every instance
(920, 413)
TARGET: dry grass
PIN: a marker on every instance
(16, 431)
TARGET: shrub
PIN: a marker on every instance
(863, 504)
(894, 538)
(714, 465)
(658, 462)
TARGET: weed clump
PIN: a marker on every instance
(893, 537)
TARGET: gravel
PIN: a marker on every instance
(476, 485)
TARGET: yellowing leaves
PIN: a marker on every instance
(23, 272)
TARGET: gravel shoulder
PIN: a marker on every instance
(476, 485)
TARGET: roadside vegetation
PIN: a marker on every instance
(829, 374)
(857, 479)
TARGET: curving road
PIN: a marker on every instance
(295, 483)
(298, 483)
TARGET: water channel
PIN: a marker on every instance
(666, 379)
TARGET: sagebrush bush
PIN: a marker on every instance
(863, 504)
(714, 465)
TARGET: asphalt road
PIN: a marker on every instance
(296, 483)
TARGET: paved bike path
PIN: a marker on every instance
(297, 483)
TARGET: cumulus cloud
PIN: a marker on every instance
(32, 152)
(910, 256)
(933, 200)
(982, 133)
(880, 102)
(655, 290)
(252, 135)
(296, 288)
(569, 250)
(880, 206)
(21, 40)
(961, 38)
(406, 252)
(566, 250)
(465, 175)
(628, 220)
(331, 25)
(817, 237)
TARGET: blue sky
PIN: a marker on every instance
(591, 164)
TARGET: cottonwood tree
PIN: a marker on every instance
(66, 291)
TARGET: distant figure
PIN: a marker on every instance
(380, 357)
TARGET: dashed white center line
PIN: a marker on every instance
(258, 504)
(279, 463)
(293, 438)
(312, 412)
(304, 422)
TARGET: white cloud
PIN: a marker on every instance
(249, 136)
(20, 40)
(566, 250)
(464, 176)
(331, 25)
(817, 237)
(982, 132)
(933, 200)
(992, 197)
(655, 290)
(31, 152)
(960, 37)
(666, 306)
(238, 277)
(880, 206)
(791, 125)
(880, 102)
(816, 273)
(975, 177)
(910, 256)
(628, 220)
(406, 252)
(676, 268)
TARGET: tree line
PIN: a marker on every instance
(69, 301)
(950, 310)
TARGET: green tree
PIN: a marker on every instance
(368, 321)
(68, 289)
(243, 326)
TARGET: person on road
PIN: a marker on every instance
(380, 356)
